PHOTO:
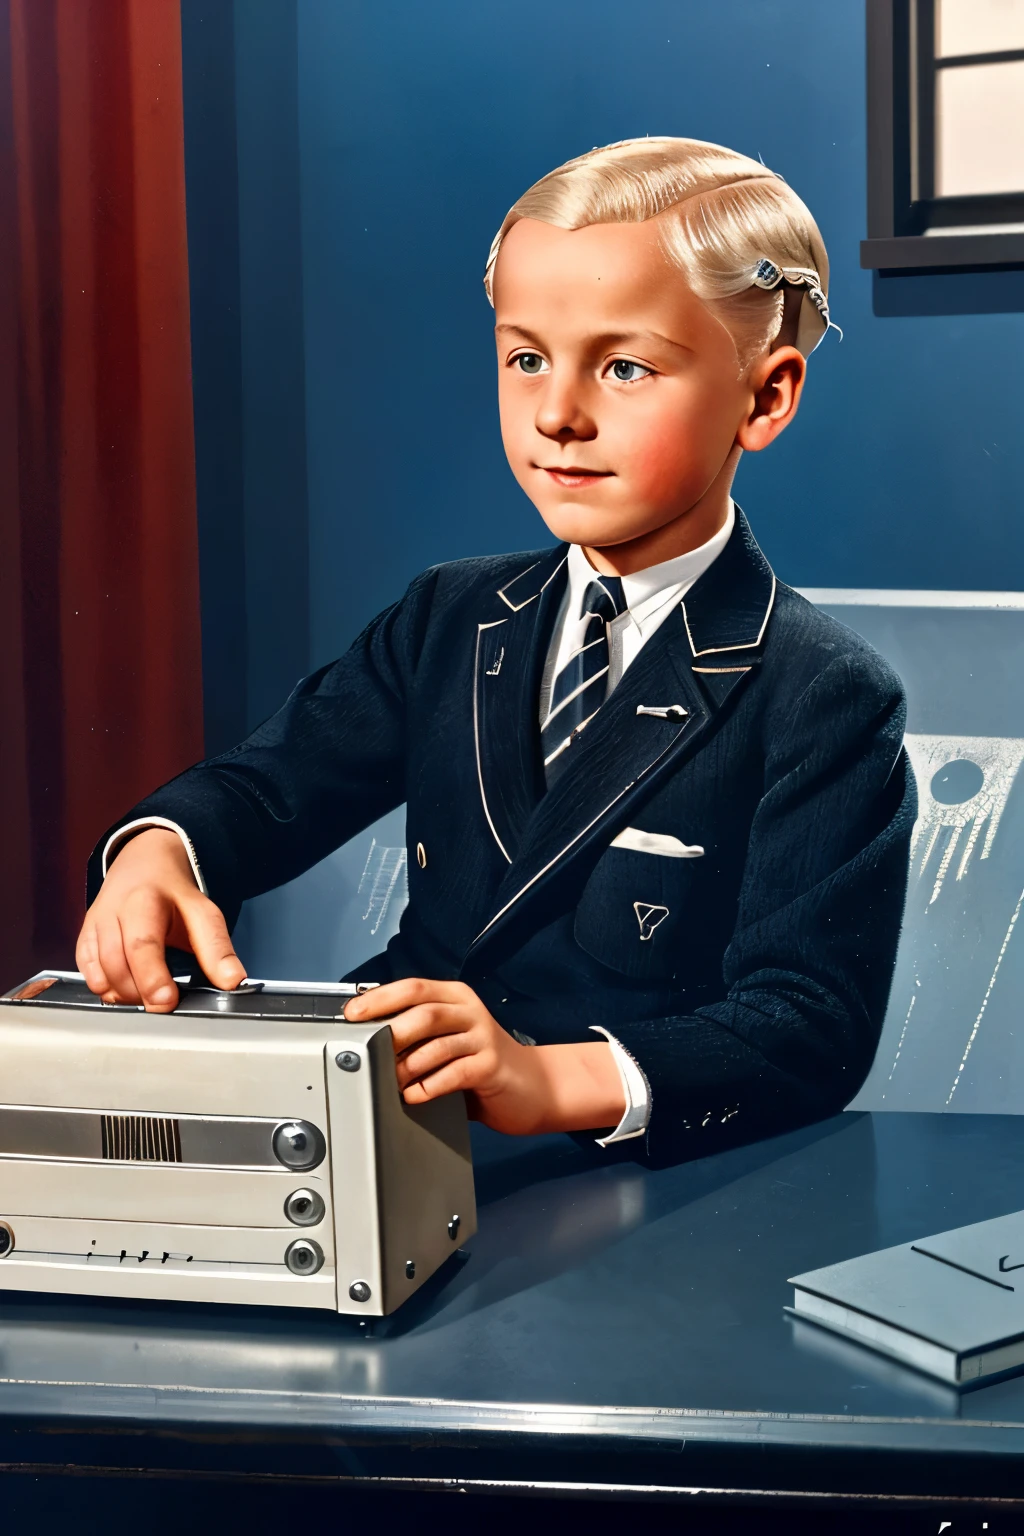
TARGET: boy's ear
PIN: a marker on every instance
(775, 383)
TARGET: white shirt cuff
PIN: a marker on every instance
(636, 1088)
(144, 822)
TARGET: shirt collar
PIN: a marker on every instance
(646, 590)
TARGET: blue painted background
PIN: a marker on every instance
(419, 126)
(348, 162)
(378, 147)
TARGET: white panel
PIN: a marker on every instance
(979, 138)
(895, 597)
(1010, 227)
(145, 1243)
(151, 1192)
(353, 1157)
(173, 1064)
(978, 26)
(259, 1285)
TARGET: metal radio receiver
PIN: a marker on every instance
(252, 1146)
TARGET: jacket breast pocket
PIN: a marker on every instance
(636, 911)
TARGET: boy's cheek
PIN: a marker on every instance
(655, 467)
(517, 435)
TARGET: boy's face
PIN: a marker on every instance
(619, 392)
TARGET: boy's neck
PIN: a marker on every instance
(685, 533)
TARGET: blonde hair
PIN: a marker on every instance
(739, 235)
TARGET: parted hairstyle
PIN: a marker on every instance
(746, 245)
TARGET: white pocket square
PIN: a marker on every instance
(656, 842)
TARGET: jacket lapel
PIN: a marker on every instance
(693, 663)
(726, 612)
(511, 645)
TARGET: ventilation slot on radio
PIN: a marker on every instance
(141, 1139)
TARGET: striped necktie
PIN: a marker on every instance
(579, 689)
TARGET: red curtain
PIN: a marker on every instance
(100, 682)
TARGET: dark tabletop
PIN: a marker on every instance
(608, 1325)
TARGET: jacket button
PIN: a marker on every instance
(421, 856)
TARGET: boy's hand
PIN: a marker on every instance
(149, 900)
(446, 1041)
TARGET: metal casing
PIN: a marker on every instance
(137, 1154)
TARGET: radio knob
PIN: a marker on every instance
(304, 1257)
(299, 1145)
(304, 1207)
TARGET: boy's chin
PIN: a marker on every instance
(580, 525)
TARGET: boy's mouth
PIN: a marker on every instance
(572, 476)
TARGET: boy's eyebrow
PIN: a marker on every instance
(607, 338)
(519, 330)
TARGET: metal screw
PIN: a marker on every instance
(453, 1227)
(304, 1257)
(299, 1145)
(6, 1240)
(304, 1207)
(410, 1269)
(349, 1061)
(359, 1290)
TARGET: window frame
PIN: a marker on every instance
(901, 74)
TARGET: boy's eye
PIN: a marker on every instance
(530, 362)
(628, 373)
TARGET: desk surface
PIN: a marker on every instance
(603, 1321)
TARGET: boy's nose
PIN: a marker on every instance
(562, 414)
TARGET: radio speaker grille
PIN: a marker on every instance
(141, 1139)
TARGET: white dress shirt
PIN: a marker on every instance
(651, 595)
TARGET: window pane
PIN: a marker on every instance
(977, 26)
(979, 129)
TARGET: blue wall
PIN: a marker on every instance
(348, 163)
(241, 80)
(420, 124)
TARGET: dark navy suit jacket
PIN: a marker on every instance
(756, 1001)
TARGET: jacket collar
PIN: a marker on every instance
(526, 587)
(728, 608)
(696, 659)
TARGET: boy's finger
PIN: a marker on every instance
(110, 948)
(431, 1056)
(396, 996)
(144, 946)
(426, 1022)
(456, 1077)
(88, 961)
(211, 943)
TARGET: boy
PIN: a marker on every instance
(658, 808)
